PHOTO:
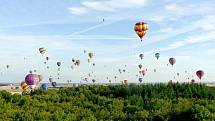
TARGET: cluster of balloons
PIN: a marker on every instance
(141, 28)
(30, 83)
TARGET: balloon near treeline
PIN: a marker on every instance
(32, 79)
(24, 85)
(54, 84)
(200, 74)
(45, 86)
(140, 80)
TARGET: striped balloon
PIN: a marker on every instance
(141, 28)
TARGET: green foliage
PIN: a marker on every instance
(151, 102)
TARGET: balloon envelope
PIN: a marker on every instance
(141, 56)
(140, 80)
(42, 50)
(172, 61)
(200, 74)
(58, 63)
(31, 79)
(44, 86)
(141, 28)
(54, 84)
(24, 85)
(157, 55)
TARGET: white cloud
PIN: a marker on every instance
(105, 6)
(78, 10)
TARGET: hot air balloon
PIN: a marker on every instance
(85, 79)
(50, 79)
(85, 51)
(30, 72)
(120, 71)
(93, 80)
(193, 81)
(172, 61)
(154, 70)
(140, 80)
(45, 62)
(157, 55)
(31, 79)
(143, 72)
(40, 78)
(35, 70)
(44, 86)
(125, 82)
(54, 84)
(77, 62)
(58, 63)
(47, 58)
(200, 74)
(42, 50)
(24, 86)
(94, 64)
(141, 56)
(90, 55)
(7, 66)
(72, 67)
(73, 60)
(140, 66)
(177, 74)
(141, 28)
(124, 70)
(47, 67)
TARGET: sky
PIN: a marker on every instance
(181, 29)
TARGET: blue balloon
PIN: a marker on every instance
(44, 86)
(157, 55)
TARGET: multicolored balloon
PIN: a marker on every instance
(24, 86)
(141, 28)
(42, 50)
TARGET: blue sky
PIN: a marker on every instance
(181, 29)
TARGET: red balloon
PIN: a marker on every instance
(200, 74)
(193, 81)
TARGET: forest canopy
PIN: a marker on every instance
(150, 102)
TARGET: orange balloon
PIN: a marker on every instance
(141, 28)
